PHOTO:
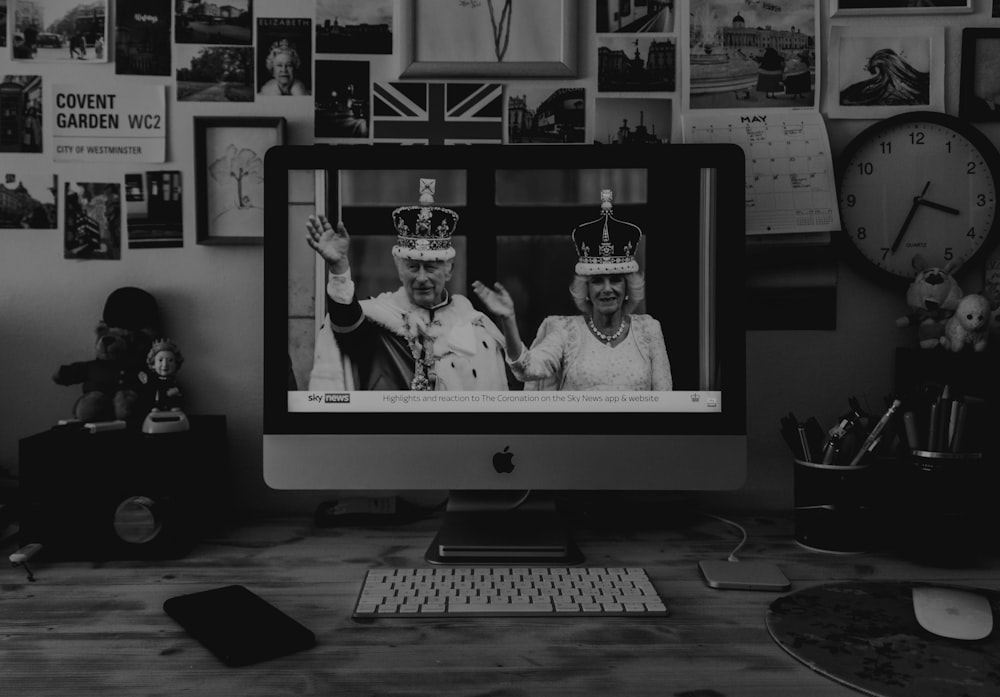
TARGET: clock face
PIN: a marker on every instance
(917, 188)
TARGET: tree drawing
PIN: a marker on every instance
(501, 27)
(242, 166)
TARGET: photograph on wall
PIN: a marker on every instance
(840, 8)
(354, 26)
(636, 64)
(980, 85)
(142, 37)
(437, 113)
(753, 54)
(635, 16)
(60, 30)
(543, 114)
(214, 23)
(877, 72)
(153, 209)
(215, 74)
(93, 220)
(28, 201)
(343, 101)
(284, 56)
(21, 113)
(632, 120)
(3, 23)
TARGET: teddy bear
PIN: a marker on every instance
(110, 380)
(969, 326)
(932, 298)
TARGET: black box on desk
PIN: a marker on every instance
(122, 494)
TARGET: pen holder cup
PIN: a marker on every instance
(941, 504)
(833, 511)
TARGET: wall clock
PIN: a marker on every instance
(918, 184)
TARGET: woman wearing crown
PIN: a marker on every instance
(606, 346)
(418, 337)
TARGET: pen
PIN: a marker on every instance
(876, 433)
(932, 430)
(912, 432)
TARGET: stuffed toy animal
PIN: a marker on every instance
(969, 326)
(932, 298)
(125, 334)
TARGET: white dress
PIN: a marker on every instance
(565, 355)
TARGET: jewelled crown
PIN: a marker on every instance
(424, 232)
(606, 245)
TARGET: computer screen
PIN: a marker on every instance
(614, 273)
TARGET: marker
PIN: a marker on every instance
(912, 432)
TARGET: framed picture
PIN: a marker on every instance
(841, 8)
(979, 98)
(497, 38)
(879, 71)
(229, 176)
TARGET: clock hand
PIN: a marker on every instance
(909, 218)
(939, 206)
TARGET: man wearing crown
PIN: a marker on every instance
(418, 337)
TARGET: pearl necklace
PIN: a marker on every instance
(607, 338)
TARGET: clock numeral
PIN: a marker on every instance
(851, 200)
(981, 200)
(886, 146)
(971, 233)
(865, 168)
(949, 254)
(862, 233)
(971, 168)
(917, 137)
(885, 253)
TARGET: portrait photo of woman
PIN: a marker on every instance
(282, 64)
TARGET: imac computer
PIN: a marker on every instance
(526, 217)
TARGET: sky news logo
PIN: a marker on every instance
(336, 398)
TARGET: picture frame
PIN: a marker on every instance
(501, 39)
(864, 61)
(845, 8)
(229, 176)
(979, 95)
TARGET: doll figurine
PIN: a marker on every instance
(164, 360)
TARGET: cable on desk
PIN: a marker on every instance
(732, 555)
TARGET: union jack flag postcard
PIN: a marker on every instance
(437, 113)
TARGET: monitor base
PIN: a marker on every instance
(528, 532)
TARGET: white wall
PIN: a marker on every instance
(211, 297)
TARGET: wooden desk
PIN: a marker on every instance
(85, 628)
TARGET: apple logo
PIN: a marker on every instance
(503, 462)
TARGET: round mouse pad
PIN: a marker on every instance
(864, 634)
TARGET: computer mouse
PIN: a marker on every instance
(953, 613)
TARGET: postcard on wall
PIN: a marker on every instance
(215, 73)
(142, 37)
(636, 64)
(284, 56)
(437, 113)
(3, 23)
(790, 179)
(60, 30)
(753, 55)
(153, 209)
(354, 26)
(92, 228)
(109, 124)
(343, 101)
(545, 113)
(21, 113)
(635, 17)
(229, 23)
(644, 120)
(29, 201)
(876, 71)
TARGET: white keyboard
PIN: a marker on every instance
(508, 591)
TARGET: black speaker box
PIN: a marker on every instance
(122, 494)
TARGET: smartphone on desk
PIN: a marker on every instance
(237, 625)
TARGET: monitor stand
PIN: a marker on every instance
(502, 528)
